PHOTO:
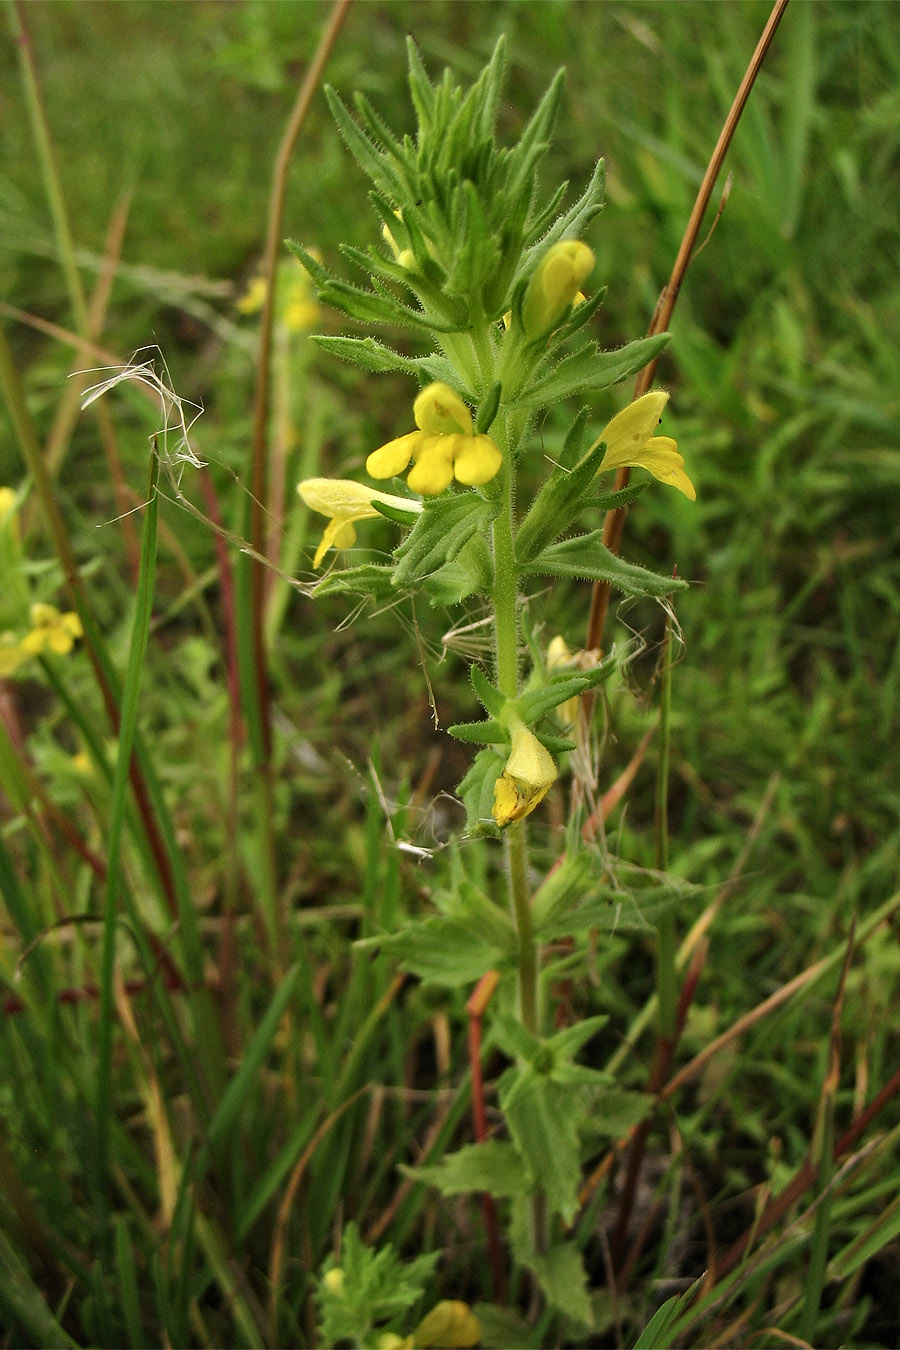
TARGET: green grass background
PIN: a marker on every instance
(786, 404)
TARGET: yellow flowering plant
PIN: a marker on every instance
(28, 629)
(495, 283)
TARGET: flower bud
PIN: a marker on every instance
(451, 1323)
(333, 1281)
(526, 779)
(555, 285)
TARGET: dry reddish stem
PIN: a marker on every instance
(476, 1007)
(615, 520)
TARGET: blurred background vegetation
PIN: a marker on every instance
(786, 403)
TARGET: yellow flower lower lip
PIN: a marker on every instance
(444, 447)
(630, 443)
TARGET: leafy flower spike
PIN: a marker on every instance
(345, 502)
(445, 446)
(630, 442)
(526, 779)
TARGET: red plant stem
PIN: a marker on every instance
(614, 523)
(476, 1005)
(260, 451)
(84, 993)
(805, 1177)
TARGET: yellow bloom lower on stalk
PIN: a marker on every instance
(630, 443)
(8, 499)
(345, 502)
(527, 777)
(444, 447)
(11, 655)
(51, 631)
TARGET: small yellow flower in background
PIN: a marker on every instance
(8, 498)
(51, 631)
(556, 284)
(254, 297)
(297, 308)
(333, 1281)
(451, 1325)
(345, 502)
(11, 655)
(445, 446)
(526, 779)
(630, 443)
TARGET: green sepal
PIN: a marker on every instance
(488, 695)
(477, 255)
(611, 501)
(589, 368)
(559, 502)
(446, 525)
(372, 579)
(396, 514)
(557, 745)
(573, 224)
(487, 732)
(374, 163)
(476, 790)
(534, 140)
(537, 227)
(368, 306)
(493, 1166)
(586, 557)
(534, 704)
(373, 356)
(487, 409)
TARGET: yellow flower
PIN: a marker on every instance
(555, 284)
(297, 309)
(451, 1324)
(444, 447)
(254, 297)
(630, 442)
(526, 779)
(333, 1281)
(51, 631)
(11, 655)
(345, 502)
(8, 498)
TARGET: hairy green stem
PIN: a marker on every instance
(506, 623)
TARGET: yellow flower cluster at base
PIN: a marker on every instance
(630, 443)
(444, 447)
(51, 631)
